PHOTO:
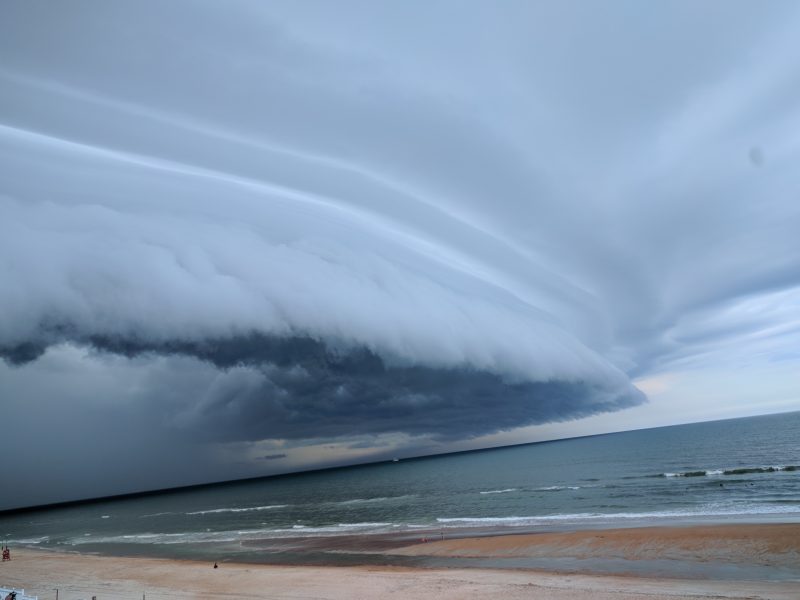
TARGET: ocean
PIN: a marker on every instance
(741, 470)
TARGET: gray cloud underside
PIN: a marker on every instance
(298, 388)
(447, 405)
(369, 222)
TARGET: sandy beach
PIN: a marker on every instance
(775, 546)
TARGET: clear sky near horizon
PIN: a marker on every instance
(247, 238)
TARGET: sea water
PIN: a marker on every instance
(742, 470)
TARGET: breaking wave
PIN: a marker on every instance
(237, 510)
(198, 537)
(712, 510)
(375, 500)
(737, 471)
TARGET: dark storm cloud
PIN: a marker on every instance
(418, 401)
(301, 388)
(298, 388)
(331, 220)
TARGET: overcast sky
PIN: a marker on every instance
(252, 237)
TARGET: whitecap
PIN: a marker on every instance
(237, 510)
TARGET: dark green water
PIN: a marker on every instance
(737, 470)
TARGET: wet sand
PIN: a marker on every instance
(766, 543)
(765, 551)
(760, 551)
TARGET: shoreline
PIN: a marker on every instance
(727, 561)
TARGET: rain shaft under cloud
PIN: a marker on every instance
(286, 223)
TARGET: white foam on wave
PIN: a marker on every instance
(556, 488)
(193, 537)
(363, 525)
(699, 473)
(734, 471)
(499, 491)
(711, 510)
(375, 500)
(166, 538)
(483, 520)
(338, 529)
(237, 510)
(26, 541)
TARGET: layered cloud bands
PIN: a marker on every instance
(355, 322)
(347, 219)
